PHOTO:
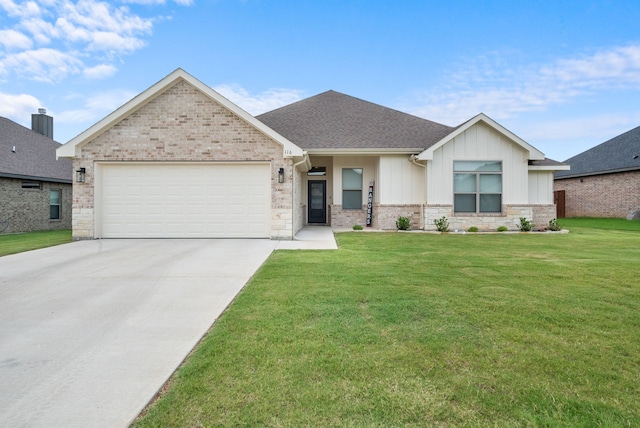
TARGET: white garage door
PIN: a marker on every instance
(162, 200)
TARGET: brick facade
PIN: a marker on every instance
(179, 125)
(606, 195)
(27, 210)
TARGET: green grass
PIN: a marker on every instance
(19, 242)
(426, 330)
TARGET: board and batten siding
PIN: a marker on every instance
(540, 187)
(400, 181)
(479, 142)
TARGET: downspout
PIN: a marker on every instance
(305, 158)
(413, 160)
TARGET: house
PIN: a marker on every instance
(180, 160)
(604, 181)
(35, 187)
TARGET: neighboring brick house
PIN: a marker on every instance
(604, 181)
(180, 160)
(35, 187)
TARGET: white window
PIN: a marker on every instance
(352, 188)
(477, 186)
(54, 204)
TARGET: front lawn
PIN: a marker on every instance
(19, 242)
(401, 329)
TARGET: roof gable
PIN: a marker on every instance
(621, 153)
(533, 153)
(70, 148)
(34, 156)
(335, 121)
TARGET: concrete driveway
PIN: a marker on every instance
(89, 331)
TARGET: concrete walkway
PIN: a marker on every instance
(90, 331)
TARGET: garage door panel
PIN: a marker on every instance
(185, 200)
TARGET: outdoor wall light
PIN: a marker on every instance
(281, 175)
(80, 175)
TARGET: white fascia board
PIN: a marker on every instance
(70, 148)
(549, 167)
(534, 154)
(363, 152)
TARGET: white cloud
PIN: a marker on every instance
(79, 36)
(95, 107)
(594, 127)
(21, 10)
(259, 103)
(12, 39)
(99, 71)
(18, 107)
(490, 84)
(43, 65)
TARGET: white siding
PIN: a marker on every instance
(541, 187)
(400, 181)
(480, 142)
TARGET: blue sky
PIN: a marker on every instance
(563, 75)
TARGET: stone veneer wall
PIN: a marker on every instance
(539, 214)
(607, 195)
(27, 210)
(384, 216)
(183, 124)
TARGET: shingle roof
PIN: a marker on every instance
(621, 153)
(34, 157)
(332, 120)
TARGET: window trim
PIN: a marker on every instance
(478, 193)
(59, 204)
(353, 189)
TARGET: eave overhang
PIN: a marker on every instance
(364, 152)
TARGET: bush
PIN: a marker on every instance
(357, 227)
(503, 229)
(472, 229)
(525, 225)
(442, 224)
(553, 225)
(403, 223)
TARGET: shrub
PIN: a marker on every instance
(357, 227)
(525, 225)
(553, 225)
(503, 229)
(472, 229)
(403, 223)
(442, 224)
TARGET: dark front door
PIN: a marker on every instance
(317, 201)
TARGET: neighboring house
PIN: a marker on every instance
(604, 181)
(35, 188)
(180, 160)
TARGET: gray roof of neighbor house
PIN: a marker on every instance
(332, 120)
(621, 153)
(34, 157)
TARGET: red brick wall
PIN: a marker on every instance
(607, 195)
